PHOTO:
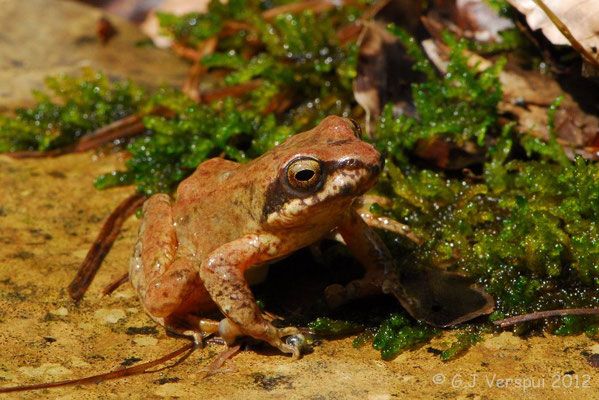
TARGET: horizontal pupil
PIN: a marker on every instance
(304, 175)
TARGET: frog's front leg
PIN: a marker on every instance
(369, 249)
(222, 273)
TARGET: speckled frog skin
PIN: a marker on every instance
(192, 252)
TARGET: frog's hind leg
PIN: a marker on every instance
(176, 296)
(191, 326)
(168, 285)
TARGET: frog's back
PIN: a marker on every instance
(214, 206)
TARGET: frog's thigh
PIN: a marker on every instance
(157, 240)
(179, 290)
(223, 276)
(369, 249)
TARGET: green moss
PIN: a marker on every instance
(459, 107)
(70, 108)
(398, 333)
(326, 327)
(464, 340)
(528, 229)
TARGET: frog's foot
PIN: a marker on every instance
(229, 331)
(191, 326)
(338, 295)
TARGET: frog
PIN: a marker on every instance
(192, 252)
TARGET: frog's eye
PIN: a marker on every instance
(304, 174)
(355, 127)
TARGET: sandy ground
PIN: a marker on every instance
(49, 216)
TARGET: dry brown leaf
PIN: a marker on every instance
(527, 96)
(581, 17)
(473, 19)
(479, 18)
(384, 70)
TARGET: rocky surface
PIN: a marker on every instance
(41, 38)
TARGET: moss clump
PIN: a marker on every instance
(464, 340)
(326, 327)
(295, 55)
(398, 333)
(527, 227)
(174, 147)
(71, 108)
(459, 107)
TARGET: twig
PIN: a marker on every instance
(566, 32)
(129, 126)
(220, 360)
(114, 285)
(102, 245)
(121, 373)
(545, 314)
(191, 84)
(230, 91)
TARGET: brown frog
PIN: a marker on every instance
(191, 254)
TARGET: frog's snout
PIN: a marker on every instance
(377, 167)
(381, 163)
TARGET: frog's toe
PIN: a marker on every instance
(291, 330)
(293, 344)
(287, 348)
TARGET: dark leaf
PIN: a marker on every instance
(441, 298)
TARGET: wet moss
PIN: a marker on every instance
(70, 108)
(398, 333)
(526, 227)
(465, 339)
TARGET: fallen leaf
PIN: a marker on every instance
(484, 23)
(581, 18)
(527, 95)
(441, 298)
(384, 70)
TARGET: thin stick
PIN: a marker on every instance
(125, 127)
(191, 83)
(220, 360)
(545, 314)
(102, 245)
(120, 373)
(114, 285)
(314, 5)
(566, 32)
(230, 91)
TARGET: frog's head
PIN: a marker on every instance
(320, 172)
